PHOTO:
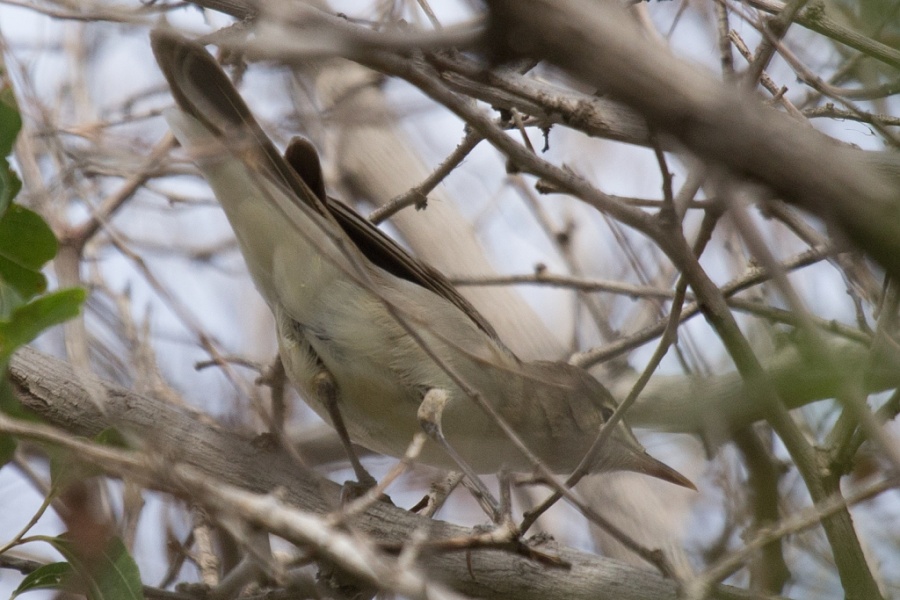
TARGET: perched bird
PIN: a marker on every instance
(379, 343)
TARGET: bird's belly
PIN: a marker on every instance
(378, 411)
(379, 400)
(381, 415)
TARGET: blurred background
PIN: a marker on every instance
(173, 314)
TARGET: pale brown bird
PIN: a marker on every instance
(373, 337)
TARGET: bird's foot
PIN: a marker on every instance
(351, 491)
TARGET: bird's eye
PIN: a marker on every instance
(607, 413)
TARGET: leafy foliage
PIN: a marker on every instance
(108, 573)
(26, 245)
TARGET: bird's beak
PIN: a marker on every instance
(627, 454)
(641, 462)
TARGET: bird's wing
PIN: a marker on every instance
(203, 91)
(377, 247)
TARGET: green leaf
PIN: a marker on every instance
(47, 577)
(110, 574)
(8, 446)
(10, 124)
(10, 119)
(10, 184)
(27, 321)
(17, 284)
(25, 238)
(120, 577)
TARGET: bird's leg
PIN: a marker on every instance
(326, 390)
(430, 412)
(504, 477)
(275, 377)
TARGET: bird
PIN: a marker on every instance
(380, 344)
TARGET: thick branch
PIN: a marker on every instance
(49, 387)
